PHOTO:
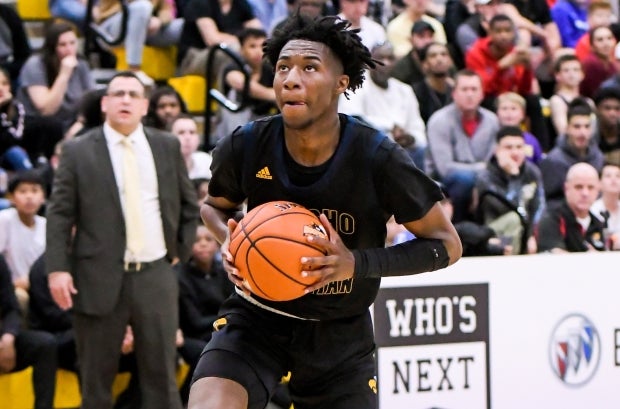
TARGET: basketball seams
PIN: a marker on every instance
(292, 278)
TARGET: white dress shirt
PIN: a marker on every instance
(153, 230)
(385, 107)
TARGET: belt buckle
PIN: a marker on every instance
(133, 267)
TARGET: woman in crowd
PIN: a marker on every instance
(53, 81)
(165, 105)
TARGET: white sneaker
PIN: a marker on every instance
(145, 79)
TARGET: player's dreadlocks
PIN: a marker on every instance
(332, 31)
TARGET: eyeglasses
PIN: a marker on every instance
(122, 93)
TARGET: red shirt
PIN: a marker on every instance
(595, 70)
(495, 81)
(582, 48)
(470, 125)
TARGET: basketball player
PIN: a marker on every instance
(356, 178)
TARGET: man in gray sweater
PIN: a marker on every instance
(461, 140)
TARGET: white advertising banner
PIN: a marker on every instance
(512, 332)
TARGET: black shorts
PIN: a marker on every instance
(332, 363)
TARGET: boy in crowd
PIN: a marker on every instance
(22, 230)
(511, 112)
(576, 146)
(510, 192)
(261, 96)
(568, 77)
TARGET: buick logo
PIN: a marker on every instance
(575, 350)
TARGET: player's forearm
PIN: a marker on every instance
(411, 257)
(215, 220)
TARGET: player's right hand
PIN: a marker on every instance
(227, 258)
(61, 288)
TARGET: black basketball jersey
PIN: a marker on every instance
(368, 179)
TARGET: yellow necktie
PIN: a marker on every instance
(133, 216)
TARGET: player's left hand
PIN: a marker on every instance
(337, 265)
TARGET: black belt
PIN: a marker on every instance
(135, 267)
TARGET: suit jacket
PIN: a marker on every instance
(85, 195)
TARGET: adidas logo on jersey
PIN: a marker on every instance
(264, 174)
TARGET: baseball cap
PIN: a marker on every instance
(421, 26)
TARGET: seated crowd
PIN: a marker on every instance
(512, 107)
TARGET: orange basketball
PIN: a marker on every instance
(267, 247)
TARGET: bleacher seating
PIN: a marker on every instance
(192, 89)
(158, 63)
(16, 388)
(33, 10)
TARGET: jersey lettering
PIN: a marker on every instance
(343, 223)
(336, 287)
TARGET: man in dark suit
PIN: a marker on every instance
(122, 210)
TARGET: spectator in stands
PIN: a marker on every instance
(12, 126)
(571, 17)
(24, 139)
(477, 239)
(269, 12)
(45, 315)
(210, 23)
(599, 15)
(165, 26)
(389, 105)
(502, 66)
(89, 113)
(165, 104)
(614, 80)
(22, 230)
(399, 29)
(70, 10)
(570, 226)
(261, 97)
(607, 132)
(607, 206)
(355, 11)
(475, 27)
(14, 45)
(511, 112)
(461, 140)
(408, 68)
(573, 147)
(436, 87)
(457, 12)
(148, 22)
(311, 8)
(510, 192)
(53, 81)
(203, 287)
(21, 348)
(198, 163)
(598, 65)
(568, 77)
(535, 25)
